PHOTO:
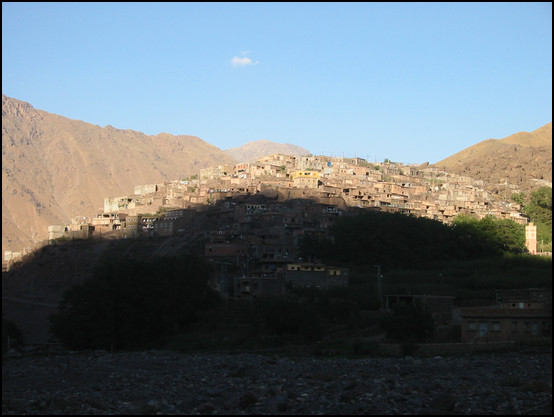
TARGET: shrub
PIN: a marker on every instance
(408, 323)
(131, 304)
(11, 336)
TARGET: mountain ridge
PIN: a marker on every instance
(516, 160)
(254, 150)
(54, 168)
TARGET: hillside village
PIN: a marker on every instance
(290, 188)
(335, 182)
(248, 220)
(252, 215)
(487, 175)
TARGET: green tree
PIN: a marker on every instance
(395, 240)
(511, 236)
(519, 198)
(489, 236)
(539, 211)
(392, 240)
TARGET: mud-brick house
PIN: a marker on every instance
(226, 249)
(57, 231)
(133, 225)
(173, 222)
(146, 189)
(310, 162)
(536, 298)
(321, 276)
(81, 231)
(303, 179)
(250, 288)
(74, 231)
(108, 221)
(518, 314)
(216, 172)
(440, 306)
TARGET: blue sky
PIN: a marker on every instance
(411, 82)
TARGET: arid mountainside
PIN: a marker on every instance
(254, 150)
(55, 168)
(523, 159)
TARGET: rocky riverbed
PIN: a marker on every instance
(161, 382)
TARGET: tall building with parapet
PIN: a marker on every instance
(531, 238)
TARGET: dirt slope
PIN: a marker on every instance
(55, 168)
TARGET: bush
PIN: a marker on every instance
(290, 317)
(11, 336)
(131, 304)
(408, 323)
(397, 241)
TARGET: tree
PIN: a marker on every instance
(489, 236)
(519, 198)
(408, 323)
(131, 304)
(11, 336)
(510, 235)
(539, 211)
(392, 240)
(314, 248)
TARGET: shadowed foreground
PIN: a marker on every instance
(160, 382)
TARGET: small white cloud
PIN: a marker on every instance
(242, 62)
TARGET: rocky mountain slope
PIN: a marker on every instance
(55, 168)
(522, 160)
(254, 150)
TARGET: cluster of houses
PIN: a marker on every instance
(518, 314)
(352, 182)
(339, 184)
(250, 218)
(292, 188)
(264, 207)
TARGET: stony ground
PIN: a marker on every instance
(160, 382)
